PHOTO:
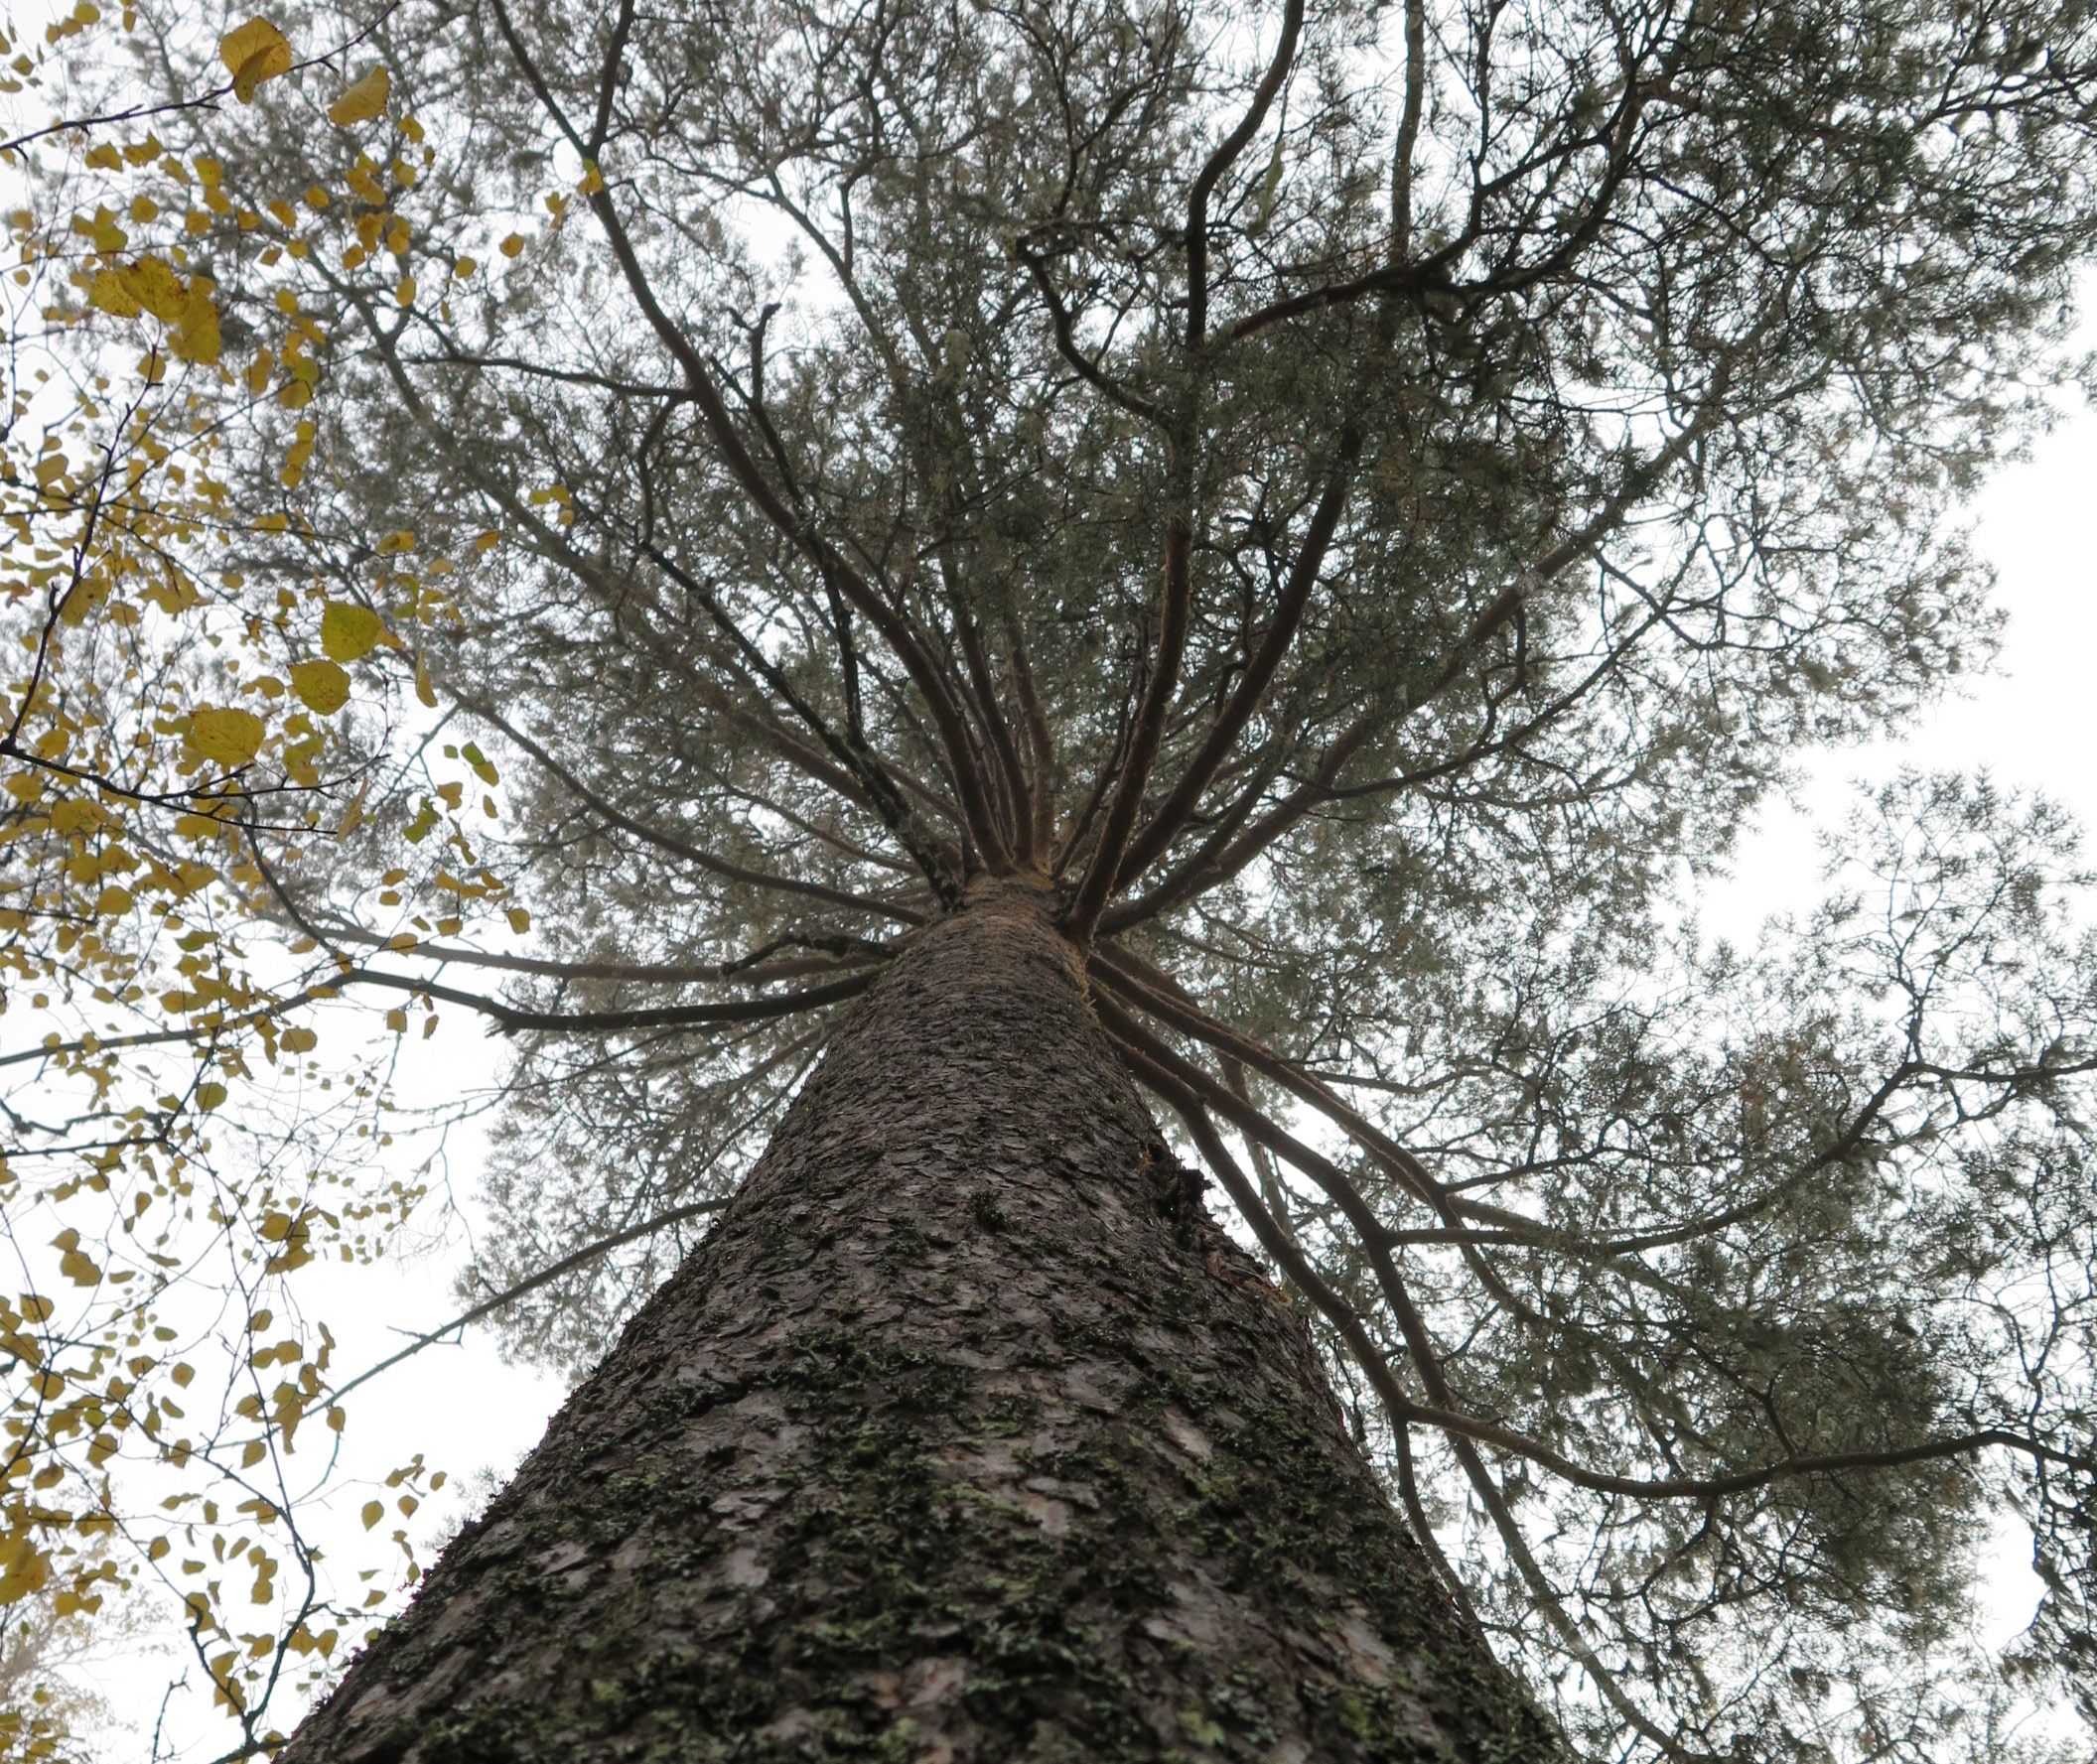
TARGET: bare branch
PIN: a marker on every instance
(531, 1283)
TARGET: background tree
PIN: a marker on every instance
(174, 1152)
(1355, 501)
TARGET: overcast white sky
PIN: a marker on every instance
(2029, 723)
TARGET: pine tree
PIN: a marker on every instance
(1006, 553)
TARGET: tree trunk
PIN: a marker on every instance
(965, 1434)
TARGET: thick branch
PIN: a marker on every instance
(531, 1283)
(1219, 162)
(828, 561)
(1041, 747)
(1260, 668)
(1408, 131)
(1168, 1075)
(511, 1020)
(1103, 870)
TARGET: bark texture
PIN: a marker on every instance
(964, 1436)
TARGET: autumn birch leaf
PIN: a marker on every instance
(196, 337)
(321, 686)
(224, 737)
(349, 631)
(159, 289)
(111, 292)
(363, 101)
(255, 53)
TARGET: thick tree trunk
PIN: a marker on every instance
(965, 1434)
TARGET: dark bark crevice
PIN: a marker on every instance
(966, 1434)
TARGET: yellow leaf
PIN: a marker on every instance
(375, 1511)
(210, 1096)
(252, 1454)
(28, 1568)
(112, 291)
(255, 53)
(349, 631)
(363, 101)
(300, 1040)
(397, 1022)
(77, 1269)
(111, 902)
(519, 921)
(321, 685)
(226, 738)
(513, 245)
(392, 542)
(425, 690)
(197, 332)
(159, 289)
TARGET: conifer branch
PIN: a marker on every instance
(1103, 870)
(1166, 1072)
(757, 968)
(1219, 162)
(509, 1020)
(1201, 769)
(895, 625)
(709, 861)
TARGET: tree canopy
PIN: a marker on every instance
(1359, 500)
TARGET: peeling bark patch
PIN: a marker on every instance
(1189, 1437)
(964, 1436)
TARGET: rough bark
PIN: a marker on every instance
(964, 1436)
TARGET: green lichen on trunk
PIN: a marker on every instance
(965, 1435)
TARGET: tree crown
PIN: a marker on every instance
(1350, 499)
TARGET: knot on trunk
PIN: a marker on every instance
(1175, 1191)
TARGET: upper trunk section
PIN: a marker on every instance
(965, 1434)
